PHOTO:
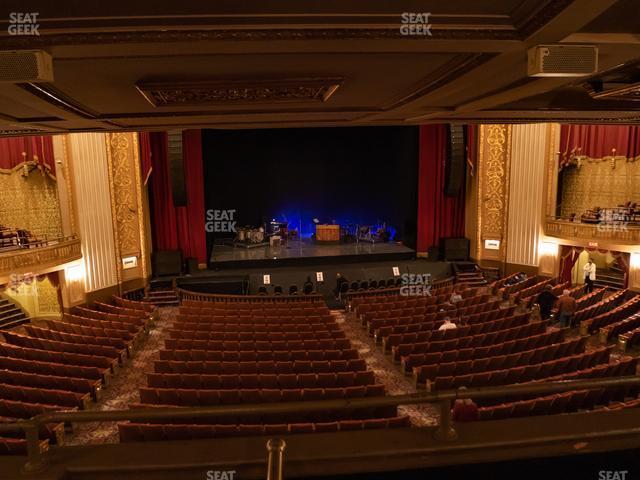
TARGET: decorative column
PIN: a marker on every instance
(127, 209)
(494, 153)
(90, 183)
(529, 146)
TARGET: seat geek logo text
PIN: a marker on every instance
(21, 23)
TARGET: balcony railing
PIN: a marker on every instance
(45, 255)
(612, 232)
(38, 462)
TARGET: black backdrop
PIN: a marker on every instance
(353, 175)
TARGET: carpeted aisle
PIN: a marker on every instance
(123, 389)
(386, 372)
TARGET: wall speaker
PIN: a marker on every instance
(562, 60)
(455, 169)
(455, 248)
(25, 66)
(176, 168)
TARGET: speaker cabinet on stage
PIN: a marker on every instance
(191, 265)
(176, 168)
(167, 262)
(455, 248)
(455, 163)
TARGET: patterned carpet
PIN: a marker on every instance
(123, 389)
(386, 372)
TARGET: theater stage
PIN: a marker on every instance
(306, 252)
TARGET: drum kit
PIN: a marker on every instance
(248, 235)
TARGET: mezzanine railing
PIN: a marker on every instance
(37, 461)
(614, 232)
(46, 254)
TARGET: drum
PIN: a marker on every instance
(242, 234)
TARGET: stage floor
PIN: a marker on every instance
(307, 251)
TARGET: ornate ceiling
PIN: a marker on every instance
(256, 64)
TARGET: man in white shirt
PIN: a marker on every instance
(455, 297)
(589, 275)
(447, 325)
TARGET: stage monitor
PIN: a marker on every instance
(167, 262)
(455, 248)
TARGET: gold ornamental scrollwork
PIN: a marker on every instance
(495, 187)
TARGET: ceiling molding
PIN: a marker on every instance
(172, 93)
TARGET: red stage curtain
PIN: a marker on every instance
(145, 156)
(598, 141)
(17, 151)
(438, 216)
(177, 228)
(568, 258)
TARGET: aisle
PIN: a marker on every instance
(123, 389)
(386, 372)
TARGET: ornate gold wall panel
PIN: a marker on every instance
(599, 183)
(30, 202)
(126, 201)
(493, 188)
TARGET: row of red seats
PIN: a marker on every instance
(57, 346)
(255, 336)
(623, 326)
(449, 310)
(18, 446)
(141, 312)
(481, 340)
(89, 331)
(423, 304)
(534, 289)
(48, 334)
(596, 308)
(232, 368)
(621, 311)
(243, 302)
(131, 328)
(59, 398)
(14, 351)
(255, 310)
(493, 312)
(139, 322)
(14, 410)
(517, 287)
(231, 318)
(261, 381)
(253, 356)
(52, 382)
(424, 373)
(280, 345)
(523, 374)
(48, 368)
(506, 348)
(199, 397)
(631, 338)
(393, 336)
(256, 328)
(136, 432)
(134, 305)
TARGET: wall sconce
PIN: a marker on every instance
(74, 273)
(635, 261)
(548, 249)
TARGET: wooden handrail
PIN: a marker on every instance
(38, 463)
(225, 298)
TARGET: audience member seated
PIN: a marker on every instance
(465, 409)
